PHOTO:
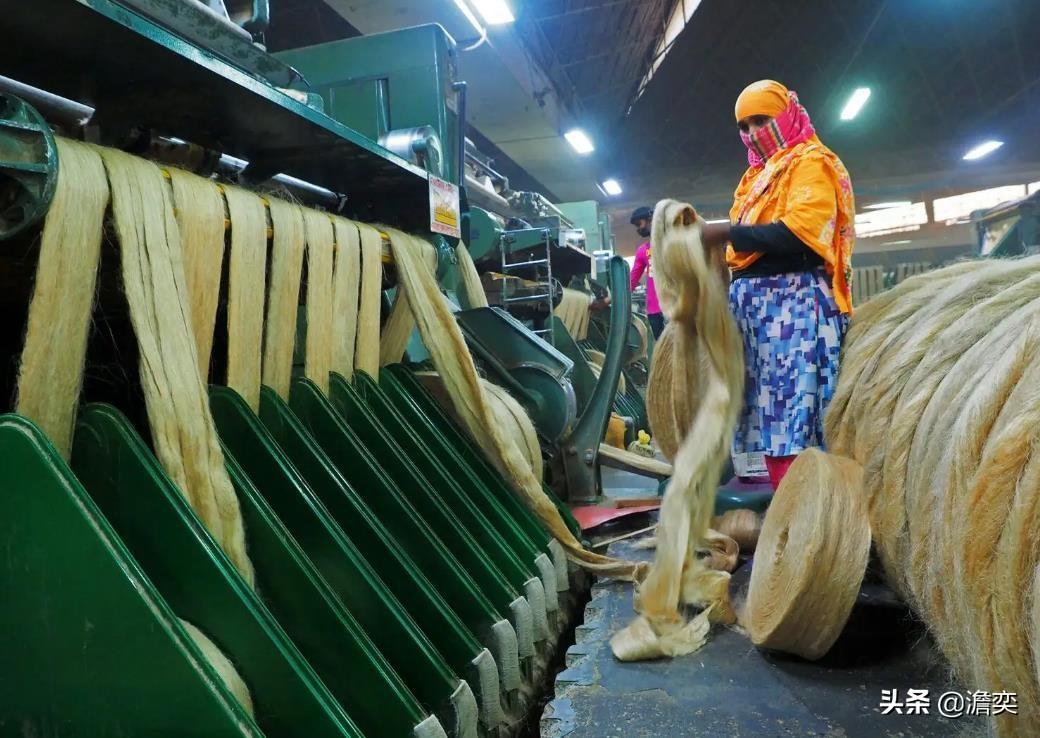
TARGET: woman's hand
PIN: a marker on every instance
(715, 235)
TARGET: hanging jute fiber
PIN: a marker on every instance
(246, 290)
(183, 433)
(160, 306)
(811, 557)
(510, 452)
(222, 665)
(573, 312)
(288, 244)
(939, 401)
(696, 382)
(51, 371)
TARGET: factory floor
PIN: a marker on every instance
(730, 688)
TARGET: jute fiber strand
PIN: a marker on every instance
(644, 341)
(443, 339)
(346, 284)
(288, 244)
(366, 356)
(650, 465)
(946, 424)
(596, 359)
(320, 261)
(51, 371)
(811, 557)
(743, 526)
(401, 323)
(175, 396)
(222, 665)
(200, 219)
(699, 379)
(246, 289)
(573, 312)
(471, 288)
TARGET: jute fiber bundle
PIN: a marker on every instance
(743, 526)
(51, 371)
(346, 287)
(183, 433)
(696, 383)
(511, 454)
(246, 289)
(650, 465)
(644, 341)
(596, 359)
(401, 323)
(200, 219)
(222, 665)
(946, 425)
(471, 288)
(811, 558)
(573, 312)
(320, 261)
(288, 243)
(366, 357)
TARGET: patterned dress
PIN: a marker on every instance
(793, 331)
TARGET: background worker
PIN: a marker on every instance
(641, 218)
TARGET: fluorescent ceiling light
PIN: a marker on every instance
(886, 205)
(987, 147)
(612, 187)
(579, 141)
(464, 8)
(896, 243)
(717, 220)
(856, 102)
(494, 12)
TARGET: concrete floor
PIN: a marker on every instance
(730, 688)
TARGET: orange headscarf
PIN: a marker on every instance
(805, 186)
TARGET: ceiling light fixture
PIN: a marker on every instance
(579, 141)
(856, 102)
(896, 243)
(464, 8)
(887, 205)
(612, 187)
(717, 220)
(494, 12)
(984, 148)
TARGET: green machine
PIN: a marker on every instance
(401, 89)
(1009, 230)
(402, 588)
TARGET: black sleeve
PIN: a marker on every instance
(771, 238)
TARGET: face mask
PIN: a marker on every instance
(764, 142)
(644, 232)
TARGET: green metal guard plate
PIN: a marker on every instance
(98, 651)
(346, 451)
(349, 571)
(197, 579)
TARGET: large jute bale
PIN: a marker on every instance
(939, 401)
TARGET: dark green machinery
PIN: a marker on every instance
(1011, 229)
(402, 587)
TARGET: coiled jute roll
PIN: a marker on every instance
(939, 400)
(811, 557)
(696, 381)
(743, 526)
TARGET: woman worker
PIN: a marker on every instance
(790, 240)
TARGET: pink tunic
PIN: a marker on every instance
(642, 264)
